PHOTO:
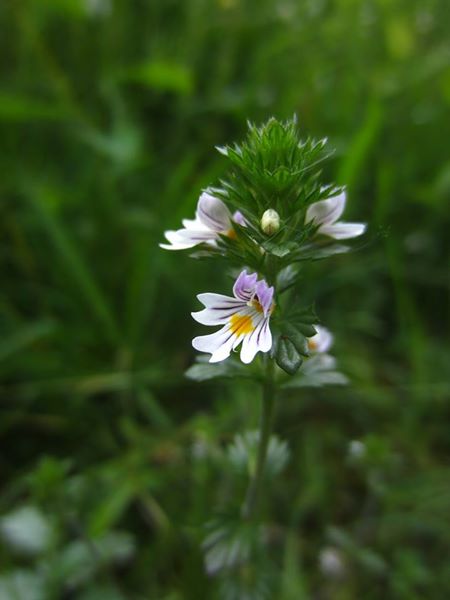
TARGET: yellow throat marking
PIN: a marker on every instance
(312, 345)
(241, 324)
(256, 305)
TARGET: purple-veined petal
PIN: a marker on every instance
(218, 344)
(176, 242)
(265, 295)
(244, 287)
(260, 340)
(211, 300)
(187, 238)
(196, 235)
(218, 309)
(265, 337)
(195, 224)
(216, 315)
(326, 212)
(213, 213)
(343, 231)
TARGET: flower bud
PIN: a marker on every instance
(270, 221)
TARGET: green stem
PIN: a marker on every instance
(268, 401)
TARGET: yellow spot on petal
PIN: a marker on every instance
(312, 345)
(241, 324)
(256, 305)
(231, 233)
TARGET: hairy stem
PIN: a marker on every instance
(250, 505)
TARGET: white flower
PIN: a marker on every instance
(245, 318)
(212, 218)
(322, 341)
(326, 212)
(320, 368)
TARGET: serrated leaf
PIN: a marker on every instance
(317, 371)
(306, 329)
(297, 337)
(318, 253)
(279, 249)
(79, 561)
(202, 371)
(287, 357)
(316, 380)
(304, 320)
(242, 453)
(230, 542)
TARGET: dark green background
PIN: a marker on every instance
(109, 114)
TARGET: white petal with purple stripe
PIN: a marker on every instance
(326, 213)
(212, 218)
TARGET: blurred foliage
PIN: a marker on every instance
(112, 461)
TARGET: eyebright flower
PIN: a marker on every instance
(320, 361)
(245, 318)
(326, 212)
(322, 341)
(212, 218)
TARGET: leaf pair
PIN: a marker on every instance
(292, 346)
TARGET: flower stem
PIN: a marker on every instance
(268, 401)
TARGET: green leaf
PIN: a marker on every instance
(230, 542)
(203, 371)
(318, 379)
(304, 320)
(24, 336)
(295, 333)
(242, 454)
(161, 75)
(287, 357)
(22, 584)
(19, 108)
(109, 511)
(279, 249)
(314, 252)
(80, 560)
(70, 255)
(306, 329)
(102, 592)
(317, 371)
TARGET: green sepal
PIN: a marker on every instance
(287, 356)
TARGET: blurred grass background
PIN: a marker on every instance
(111, 461)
